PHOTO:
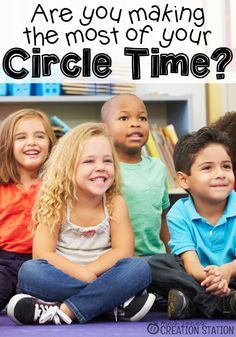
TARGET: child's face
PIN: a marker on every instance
(30, 144)
(212, 177)
(127, 123)
(95, 171)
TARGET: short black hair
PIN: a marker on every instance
(189, 145)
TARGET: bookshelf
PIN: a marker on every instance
(78, 109)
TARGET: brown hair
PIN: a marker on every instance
(8, 169)
(227, 123)
(188, 146)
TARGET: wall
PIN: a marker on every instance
(198, 116)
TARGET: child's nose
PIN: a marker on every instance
(31, 141)
(220, 173)
(100, 166)
(135, 123)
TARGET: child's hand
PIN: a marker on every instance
(86, 275)
(213, 277)
(217, 280)
(91, 276)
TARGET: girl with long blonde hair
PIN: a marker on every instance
(83, 244)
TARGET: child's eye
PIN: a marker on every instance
(123, 118)
(108, 161)
(87, 161)
(227, 166)
(143, 119)
(20, 137)
(206, 168)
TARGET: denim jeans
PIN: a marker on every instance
(125, 279)
(10, 264)
(168, 273)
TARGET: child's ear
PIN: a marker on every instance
(183, 180)
(105, 126)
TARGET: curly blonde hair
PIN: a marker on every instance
(59, 177)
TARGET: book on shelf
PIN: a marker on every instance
(59, 126)
(75, 88)
(170, 133)
(78, 88)
(151, 146)
(162, 146)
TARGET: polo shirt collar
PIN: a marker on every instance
(230, 209)
(193, 214)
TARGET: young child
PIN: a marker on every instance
(83, 239)
(144, 177)
(26, 139)
(227, 123)
(200, 275)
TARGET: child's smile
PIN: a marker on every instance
(95, 171)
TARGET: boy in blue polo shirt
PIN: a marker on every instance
(199, 277)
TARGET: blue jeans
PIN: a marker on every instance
(86, 300)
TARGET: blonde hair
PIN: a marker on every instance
(8, 168)
(59, 179)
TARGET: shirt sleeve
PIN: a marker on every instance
(181, 239)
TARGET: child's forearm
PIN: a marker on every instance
(75, 270)
(233, 268)
(197, 273)
(164, 232)
(108, 260)
(193, 266)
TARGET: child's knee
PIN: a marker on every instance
(139, 267)
(30, 268)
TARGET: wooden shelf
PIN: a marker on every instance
(75, 98)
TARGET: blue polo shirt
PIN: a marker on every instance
(190, 231)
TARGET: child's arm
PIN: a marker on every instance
(44, 247)
(192, 265)
(121, 238)
(182, 242)
(164, 232)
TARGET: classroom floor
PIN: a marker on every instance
(154, 324)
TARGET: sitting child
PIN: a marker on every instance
(144, 178)
(83, 244)
(199, 277)
(26, 140)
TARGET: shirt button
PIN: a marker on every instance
(210, 232)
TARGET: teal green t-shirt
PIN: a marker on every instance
(145, 189)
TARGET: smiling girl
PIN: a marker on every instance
(26, 139)
(83, 242)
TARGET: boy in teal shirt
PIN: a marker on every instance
(144, 178)
(199, 278)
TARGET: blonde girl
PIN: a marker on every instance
(83, 242)
(26, 139)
